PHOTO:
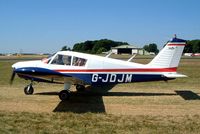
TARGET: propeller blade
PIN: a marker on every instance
(12, 77)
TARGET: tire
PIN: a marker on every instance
(80, 88)
(64, 95)
(28, 90)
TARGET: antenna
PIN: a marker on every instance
(174, 35)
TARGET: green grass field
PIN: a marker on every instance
(153, 107)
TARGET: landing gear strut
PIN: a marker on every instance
(28, 90)
(80, 88)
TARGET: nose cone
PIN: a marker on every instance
(17, 65)
(26, 64)
(14, 65)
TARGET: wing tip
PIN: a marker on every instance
(175, 75)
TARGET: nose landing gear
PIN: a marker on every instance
(28, 90)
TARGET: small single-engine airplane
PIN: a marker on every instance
(80, 69)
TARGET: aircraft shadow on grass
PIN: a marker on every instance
(188, 95)
(92, 100)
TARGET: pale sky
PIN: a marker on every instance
(44, 26)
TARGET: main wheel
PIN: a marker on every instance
(80, 88)
(64, 95)
(28, 90)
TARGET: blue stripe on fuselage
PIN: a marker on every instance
(36, 71)
(89, 78)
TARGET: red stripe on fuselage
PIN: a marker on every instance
(121, 70)
(176, 44)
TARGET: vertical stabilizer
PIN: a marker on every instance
(170, 55)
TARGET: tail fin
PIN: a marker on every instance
(170, 55)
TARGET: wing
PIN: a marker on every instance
(174, 75)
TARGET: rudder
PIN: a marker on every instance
(170, 55)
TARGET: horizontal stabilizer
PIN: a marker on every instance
(174, 75)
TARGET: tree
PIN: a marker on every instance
(65, 48)
(188, 48)
(100, 50)
(193, 46)
(97, 46)
(196, 46)
(151, 48)
(146, 48)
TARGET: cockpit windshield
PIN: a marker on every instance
(60, 59)
(48, 59)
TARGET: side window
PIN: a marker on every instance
(62, 60)
(79, 61)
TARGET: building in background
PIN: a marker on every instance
(129, 49)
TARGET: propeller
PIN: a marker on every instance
(12, 77)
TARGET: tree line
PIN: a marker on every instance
(193, 46)
(104, 45)
(96, 46)
(151, 48)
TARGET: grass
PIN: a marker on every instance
(95, 123)
(23, 57)
(153, 107)
(6, 72)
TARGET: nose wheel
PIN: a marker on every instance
(28, 90)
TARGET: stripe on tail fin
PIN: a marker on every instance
(170, 55)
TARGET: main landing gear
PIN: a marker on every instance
(80, 88)
(28, 90)
(65, 94)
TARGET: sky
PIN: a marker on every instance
(44, 26)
